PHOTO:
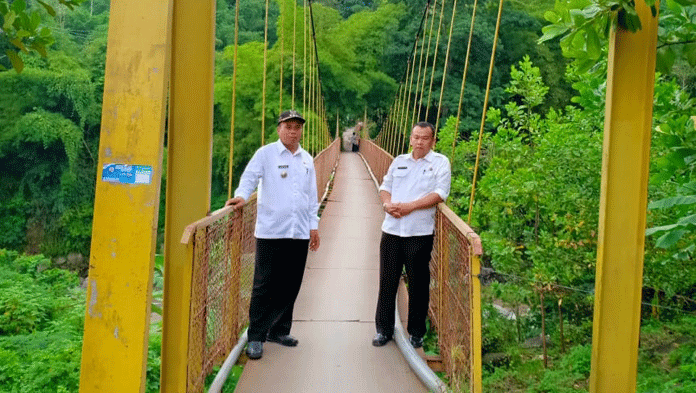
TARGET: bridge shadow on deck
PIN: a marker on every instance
(334, 316)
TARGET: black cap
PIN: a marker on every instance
(291, 114)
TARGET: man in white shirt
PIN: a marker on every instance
(287, 225)
(414, 184)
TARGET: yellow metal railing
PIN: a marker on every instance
(223, 248)
(455, 290)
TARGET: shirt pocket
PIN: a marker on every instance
(305, 170)
(399, 177)
(427, 181)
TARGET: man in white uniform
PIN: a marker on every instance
(287, 225)
(413, 185)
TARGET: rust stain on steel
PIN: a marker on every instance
(93, 299)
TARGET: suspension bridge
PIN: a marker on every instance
(157, 51)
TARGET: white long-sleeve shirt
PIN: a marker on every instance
(408, 179)
(287, 202)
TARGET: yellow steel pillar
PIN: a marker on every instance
(117, 318)
(627, 128)
(189, 156)
(476, 383)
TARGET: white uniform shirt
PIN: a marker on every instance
(409, 179)
(287, 203)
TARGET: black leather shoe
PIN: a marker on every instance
(254, 349)
(284, 340)
(380, 339)
(416, 342)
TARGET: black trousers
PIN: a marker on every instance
(280, 265)
(395, 252)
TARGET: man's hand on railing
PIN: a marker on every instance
(314, 239)
(235, 202)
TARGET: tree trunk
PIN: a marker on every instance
(543, 329)
(560, 316)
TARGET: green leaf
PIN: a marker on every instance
(665, 58)
(687, 221)
(686, 2)
(41, 49)
(551, 32)
(156, 309)
(552, 17)
(593, 46)
(591, 11)
(674, 6)
(584, 65)
(48, 8)
(670, 238)
(45, 32)
(662, 228)
(9, 20)
(19, 44)
(629, 20)
(16, 61)
(35, 20)
(673, 201)
(690, 52)
(18, 6)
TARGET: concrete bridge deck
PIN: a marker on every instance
(335, 310)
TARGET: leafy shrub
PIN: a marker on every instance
(41, 325)
(498, 333)
(21, 311)
(154, 361)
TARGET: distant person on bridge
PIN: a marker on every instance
(413, 185)
(287, 225)
(355, 141)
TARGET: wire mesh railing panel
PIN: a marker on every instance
(324, 164)
(454, 292)
(210, 326)
(377, 158)
(451, 294)
(224, 252)
(246, 256)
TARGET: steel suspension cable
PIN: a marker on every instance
(313, 92)
(318, 70)
(281, 36)
(444, 68)
(407, 98)
(461, 91)
(234, 100)
(402, 115)
(410, 69)
(427, 56)
(485, 109)
(304, 59)
(401, 101)
(437, 46)
(310, 101)
(397, 122)
(420, 69)
(294, 49)
(265, 66)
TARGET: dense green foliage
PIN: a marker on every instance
(41, 323)
(23, 30)
(41, 318)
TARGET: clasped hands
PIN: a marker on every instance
(397, 210)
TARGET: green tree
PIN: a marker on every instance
(23, 30)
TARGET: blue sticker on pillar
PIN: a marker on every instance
(127, 174)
